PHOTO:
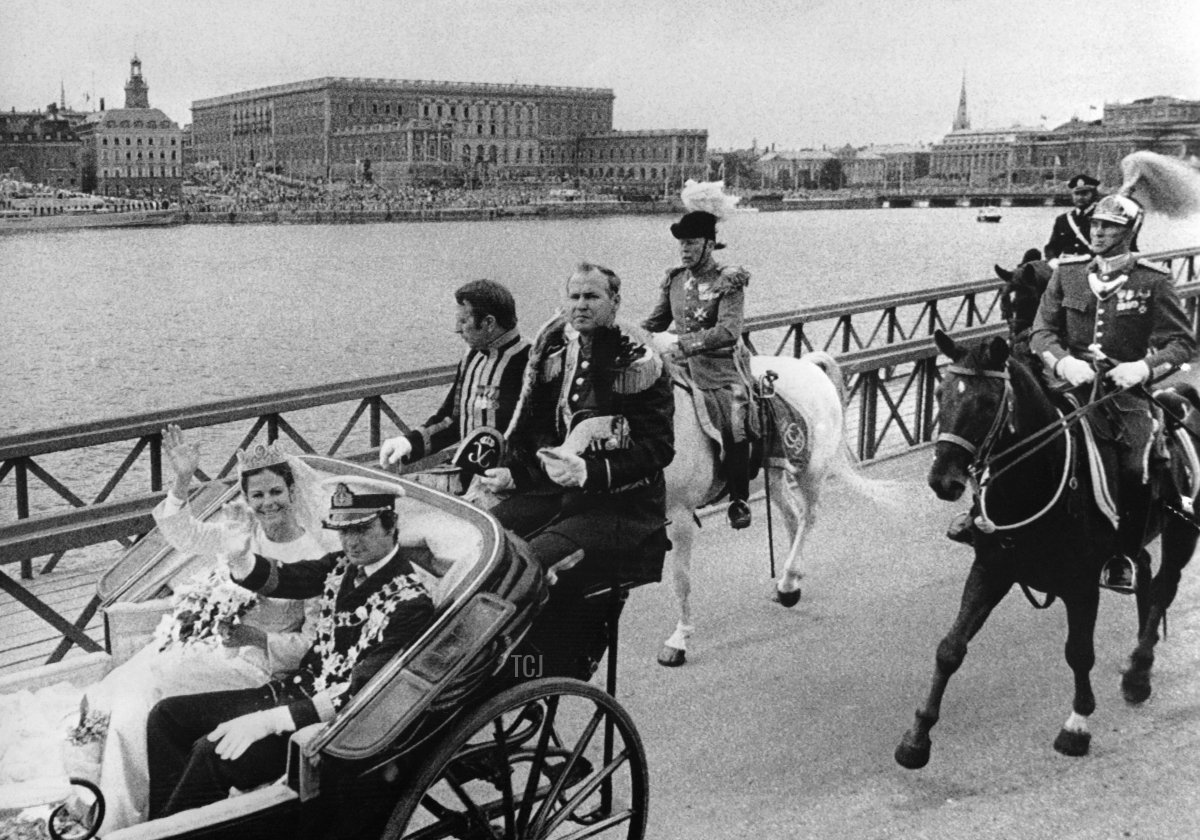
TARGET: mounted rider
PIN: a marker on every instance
(1071, 235)
(705, 300)
(1114, 314)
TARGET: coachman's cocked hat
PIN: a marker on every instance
(696, 225)
(348, 509)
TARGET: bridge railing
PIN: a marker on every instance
(79, 488)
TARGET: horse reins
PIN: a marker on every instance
(982, 456)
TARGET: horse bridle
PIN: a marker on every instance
(981, 455)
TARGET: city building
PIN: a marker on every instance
(1030, 158)
(798, 169)
(135, 151)
(398, 132)
(983, 157)
(42, 147)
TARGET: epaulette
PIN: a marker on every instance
(1075, 258)
(671, 274)
(1154, 265)
(639, 374)
(733, 277)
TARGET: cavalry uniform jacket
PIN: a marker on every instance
(617, 378)
(1135, 315)
(484, 393)
(707, 310)
(1071, 234)
(307, 579)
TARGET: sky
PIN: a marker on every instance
(793, 73)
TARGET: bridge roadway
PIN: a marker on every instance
(783, 722)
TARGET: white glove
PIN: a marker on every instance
(1075, 371)
(666, 343)
(497, 480)
(235, 736)
(394, 450)
(237, 524)
(565, 468)
(1128, 374)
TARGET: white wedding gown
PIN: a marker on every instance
(129, 691)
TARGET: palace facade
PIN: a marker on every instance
(397, 132)
(134, 151)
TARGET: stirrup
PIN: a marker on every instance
(739, 514)
(1119, 574)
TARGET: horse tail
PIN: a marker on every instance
(845, 464)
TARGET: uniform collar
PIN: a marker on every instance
(501, 340)
(372, 568)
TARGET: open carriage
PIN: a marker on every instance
(461, 735)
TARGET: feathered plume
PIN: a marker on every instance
(1161, 184)
(709, 197)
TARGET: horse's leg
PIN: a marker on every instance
(798, 503)
(1178, 543)
(1074, 739)
(682, 533)
(981, 593)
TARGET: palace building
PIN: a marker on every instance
(396, 132)
(133, 151)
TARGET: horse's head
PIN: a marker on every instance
(972, 406)
(1023, 287)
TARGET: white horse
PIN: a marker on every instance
(813, 386)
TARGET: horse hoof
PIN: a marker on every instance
(912, 756)
(1135, 688)
(1073, 743)
(670, 657)
(788, 599)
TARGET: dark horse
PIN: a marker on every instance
(1046, 532)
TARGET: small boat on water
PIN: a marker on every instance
(29, 207)
(988, 214)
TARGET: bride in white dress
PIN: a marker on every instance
(272, 636)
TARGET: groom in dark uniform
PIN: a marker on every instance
(201, 745)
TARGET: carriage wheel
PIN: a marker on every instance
(550, 758)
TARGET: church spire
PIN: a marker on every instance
(961, 121)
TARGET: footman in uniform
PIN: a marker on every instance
(592, 433)
(486, 383)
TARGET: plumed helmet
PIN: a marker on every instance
(1118, 209)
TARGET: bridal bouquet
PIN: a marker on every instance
(200, 607)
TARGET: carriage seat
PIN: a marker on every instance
(454, 547)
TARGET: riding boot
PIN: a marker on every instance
(1119, 572)
(737, 471)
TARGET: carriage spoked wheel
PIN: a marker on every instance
(550, 758)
